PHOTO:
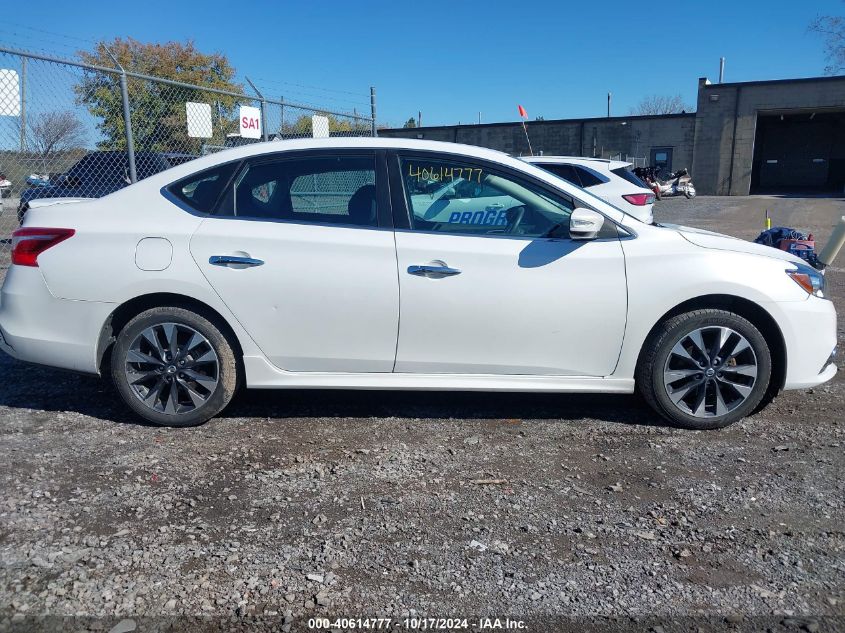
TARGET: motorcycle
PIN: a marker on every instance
(5, 187)
(674, 184)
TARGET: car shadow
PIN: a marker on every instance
(32, 387)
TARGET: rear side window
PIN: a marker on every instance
(589, 177)
(627, 174)
(202, 190)
(567, 172)
(330, 189)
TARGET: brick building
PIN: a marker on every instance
(743, 138)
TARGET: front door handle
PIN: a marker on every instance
(234, 261)
(434, 270)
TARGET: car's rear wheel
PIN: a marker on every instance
(174, 367)
(705, 369)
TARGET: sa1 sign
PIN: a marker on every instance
(250, 122)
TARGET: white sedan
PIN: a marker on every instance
(332, 264)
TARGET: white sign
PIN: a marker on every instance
(319, 126)
(199, 119)
(10, 93)
(250, 122)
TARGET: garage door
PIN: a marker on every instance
(799, 151)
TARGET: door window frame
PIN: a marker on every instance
(402, 210)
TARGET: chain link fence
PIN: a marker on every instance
(75, 130)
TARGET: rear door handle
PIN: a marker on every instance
(433, 271)
(234, 260)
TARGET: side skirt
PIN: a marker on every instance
(262, 375)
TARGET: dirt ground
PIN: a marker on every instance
(558, 512)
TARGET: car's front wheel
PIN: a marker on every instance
(705, 369)
(174, 367)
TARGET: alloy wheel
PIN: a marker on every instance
(172, 368)
(710, 371)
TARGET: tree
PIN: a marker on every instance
(832, 29)
(51, 132)
(660, 104)
(337, 126)
(412, 122)
(157, 109)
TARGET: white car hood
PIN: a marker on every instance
(48, 202)
(709, 239)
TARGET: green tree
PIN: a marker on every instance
(412, 122)
(157, 109)
(338, 126)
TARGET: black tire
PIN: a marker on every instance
(227, 368)
(656, 351)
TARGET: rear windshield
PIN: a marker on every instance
(627, 174)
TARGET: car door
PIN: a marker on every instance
(302, 252)
(480, 296)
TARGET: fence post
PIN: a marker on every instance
(373, 109)
(127, 119)
(262, 104)
(127, 123)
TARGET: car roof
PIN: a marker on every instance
(587, 161)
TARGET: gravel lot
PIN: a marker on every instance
(568, 512)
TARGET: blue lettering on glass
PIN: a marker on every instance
(491, 217)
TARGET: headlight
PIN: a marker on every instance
(808, 278)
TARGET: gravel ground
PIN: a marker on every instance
(565, 512)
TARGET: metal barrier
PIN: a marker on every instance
(71, 129)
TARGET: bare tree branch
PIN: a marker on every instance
(55, 131)
(661, 104)
(832, 29)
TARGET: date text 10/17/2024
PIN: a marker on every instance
(418, 624)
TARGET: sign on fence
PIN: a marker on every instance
(250, 122)
(199, 119)
(319, 126)
(10, 93)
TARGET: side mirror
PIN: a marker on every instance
(585, 224)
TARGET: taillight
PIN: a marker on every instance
(640, 199)
(28, 243)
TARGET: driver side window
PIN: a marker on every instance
(447, 196)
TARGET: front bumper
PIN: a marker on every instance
(809, 331)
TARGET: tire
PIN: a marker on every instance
(182, 389)
(733, 387)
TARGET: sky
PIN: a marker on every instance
(454, 60)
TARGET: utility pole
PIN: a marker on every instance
(608, 104)
(373, 109)
(23, 104)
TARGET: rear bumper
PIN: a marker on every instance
(809, 331)
(37, 327)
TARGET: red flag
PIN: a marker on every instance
(522, 112)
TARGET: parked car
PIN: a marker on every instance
(288, 265)
(610, 180)
(5, 186)
(97, 174)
